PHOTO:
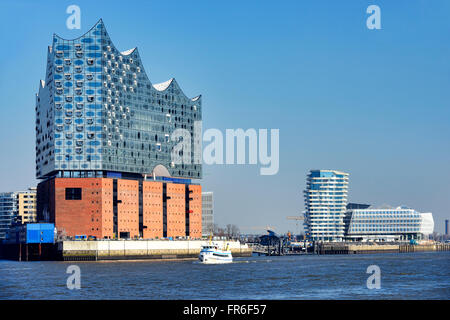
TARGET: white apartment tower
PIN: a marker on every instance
(325, 203)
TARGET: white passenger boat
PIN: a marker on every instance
(211, 253)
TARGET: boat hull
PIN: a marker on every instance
(210, 258)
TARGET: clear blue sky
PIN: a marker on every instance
(373, 103)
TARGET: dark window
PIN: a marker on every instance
(73, 193)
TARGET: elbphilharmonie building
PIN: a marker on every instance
(105, 133)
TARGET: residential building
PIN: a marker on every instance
(207, 214)
(325, 203)
(17, 208)
(26, 206)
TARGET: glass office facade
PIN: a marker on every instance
(325, 203)
(8, 212)
(389, 224)
(98, 111)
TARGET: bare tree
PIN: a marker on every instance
(229, 230)
(235, 232)
(218, 231)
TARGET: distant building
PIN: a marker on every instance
(325, 203)
(8, 212)
(207, 214)
(16, 208)
(26, 205)
(388, 224)
(446, 227)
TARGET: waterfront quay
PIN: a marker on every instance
(349, 248)
(97, 250)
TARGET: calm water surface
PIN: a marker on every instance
(403, 276)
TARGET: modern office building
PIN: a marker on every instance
(350, 207)
(446, 227)
(207, 214)
(105, 144)
(389, 224)
(325, 203)
(8, 212)
(16, 208)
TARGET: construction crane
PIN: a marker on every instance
(297, 219)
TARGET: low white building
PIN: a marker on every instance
(388, 224)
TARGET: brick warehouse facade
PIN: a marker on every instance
(121, 208)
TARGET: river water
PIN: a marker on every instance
(403, 276)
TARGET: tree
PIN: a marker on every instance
(229, 230)
(218, 231)
(235, 233)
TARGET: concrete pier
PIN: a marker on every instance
(141, 249)
(348, 248)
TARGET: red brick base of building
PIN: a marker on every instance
(121, 208)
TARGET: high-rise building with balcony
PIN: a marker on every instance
(325, 203)
(105, 144)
